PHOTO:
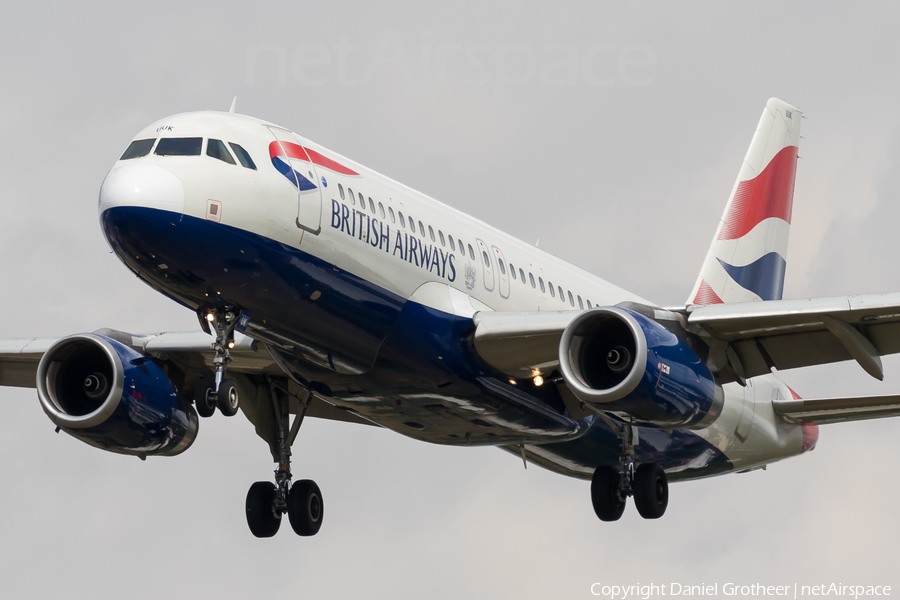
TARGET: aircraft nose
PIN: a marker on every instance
(142, 185)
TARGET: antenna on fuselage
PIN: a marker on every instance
(233, 105)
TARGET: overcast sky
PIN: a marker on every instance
(611, 131)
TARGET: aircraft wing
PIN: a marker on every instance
(19, 357)
(787, 334)
(753, 337)
(190, 350)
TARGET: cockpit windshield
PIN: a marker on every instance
(217, 149)
(243, 156)
(179, 146)
(138, 148)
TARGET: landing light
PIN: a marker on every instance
(210, 317)
(538, 381)
(231, 344)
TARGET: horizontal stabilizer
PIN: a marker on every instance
(838, 410)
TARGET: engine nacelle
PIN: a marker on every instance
(110, 396)
(621, 363)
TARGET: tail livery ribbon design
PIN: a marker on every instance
(748, 255)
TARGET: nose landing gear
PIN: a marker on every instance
(610, 487)
(221, 393)
(302, 501)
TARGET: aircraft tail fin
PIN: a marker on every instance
(747, 258)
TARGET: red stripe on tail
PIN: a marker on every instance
(769, 194)
(706, 295)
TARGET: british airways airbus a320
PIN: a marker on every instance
(325, 289)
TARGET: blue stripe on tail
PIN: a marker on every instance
(763, 277)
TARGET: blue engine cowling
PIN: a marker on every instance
(110, 396)
(621, 363)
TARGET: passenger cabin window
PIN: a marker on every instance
(531, 279)
(571, 299)
(589, 304)
(471, 252)
(502, 267)
(217, 149)
(371, 205)
(391, 212)
(179, 146)
(552, 290)
(341, 190)
(381, 209)
(412, 225)
(522, 275)
(402, 220)
(242, 156)
(137, 149)
(580, 303)
(362, 201)
(431, 233)
(422, 229)
(352, 197)
(562, 297)
(452, 245)
(441, 234)
(487, 260)
(512, 270)
(541, 281)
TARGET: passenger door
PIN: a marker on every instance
(486, 261)
(502, 267)
(290, 158)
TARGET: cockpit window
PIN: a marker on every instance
(137, 149)
(217, 149)
(242, 156)
(179, 146)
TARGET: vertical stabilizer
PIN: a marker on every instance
(747, 258)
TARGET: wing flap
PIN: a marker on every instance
(788, 334)
(838, 410)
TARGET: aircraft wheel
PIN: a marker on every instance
(651, 491)
(204, 398)
(261, 517)
(305, 507)
(228, 399)
(605, 494)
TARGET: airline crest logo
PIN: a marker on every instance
(281, 154)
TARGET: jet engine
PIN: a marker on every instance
(624, 364)
(113, 397)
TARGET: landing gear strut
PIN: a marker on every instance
(221, 392)
(302, 501)
(610, 487)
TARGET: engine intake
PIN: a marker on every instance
(113, 397)
(622, 363)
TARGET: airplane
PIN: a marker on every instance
(325, 289)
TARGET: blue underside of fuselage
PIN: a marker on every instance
(398, 363)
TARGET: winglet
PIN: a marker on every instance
(233, 105)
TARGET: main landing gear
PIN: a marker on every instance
(610, 486)
(221, 393)
(302, 501)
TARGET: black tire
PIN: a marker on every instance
(605, 494)
(203, 398)
(305, 507)
(651, 491)
(228, 398)
(261, 517)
